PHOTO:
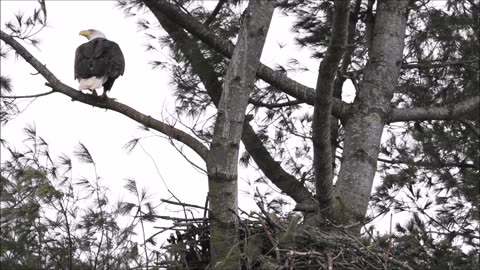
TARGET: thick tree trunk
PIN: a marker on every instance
(266, 163)
(222, 161)
(368, 116)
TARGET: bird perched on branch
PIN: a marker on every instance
(99, 62)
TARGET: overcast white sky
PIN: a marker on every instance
(63, 123)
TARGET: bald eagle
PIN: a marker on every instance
(99, 62)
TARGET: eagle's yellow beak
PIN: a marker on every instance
(84, 33)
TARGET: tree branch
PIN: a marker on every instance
(322, 148)
(254, 146)
(429, 164)
(431, 64)
(30, 96)
(215, 12)
(286, 182)
(423, 65)
(274, 105)
(368, 115)
(274, 78)
(447, 112)
(183, 204)
(109, 103)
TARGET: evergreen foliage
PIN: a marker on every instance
(51, 219)
(428, 169)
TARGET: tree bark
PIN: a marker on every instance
(322, 148)
(369, 114)
(469, 109)
(224, 47)
(222, 160)
(341, 78)
(272, 169)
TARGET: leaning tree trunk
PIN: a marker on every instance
(364, 126)
(222, 161)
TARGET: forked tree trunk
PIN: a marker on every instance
(364, 126)
(222, 161)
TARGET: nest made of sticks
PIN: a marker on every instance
(271, 242)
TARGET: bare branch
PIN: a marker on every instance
(30, 96)
(109, 103)
(180, 151)
(182, 204)
(276, 79)
(447, 112)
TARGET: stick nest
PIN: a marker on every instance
(269, 242)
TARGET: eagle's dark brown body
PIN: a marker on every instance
(100, 58)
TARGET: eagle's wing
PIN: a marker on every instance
(99, 58)
(116, 60)
(116, 63)
(92, 59)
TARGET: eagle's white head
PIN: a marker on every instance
(91, 34)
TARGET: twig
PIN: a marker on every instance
(302, 253)
(274, 105)
(206, 208)
(186, 158)
(387, 252)
(265, 213)
(158, 171)
(30, 96)
(362, 246)
(182, 204)
(174, 218)
(401, 264)
(272, 240)
(330, 261)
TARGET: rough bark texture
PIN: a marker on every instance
(222, 161)
(254, 146)
(468, 109)
(322, 149)
(364, 126)
(341, 78)
(364, 121)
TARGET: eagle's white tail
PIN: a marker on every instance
(91, 83)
